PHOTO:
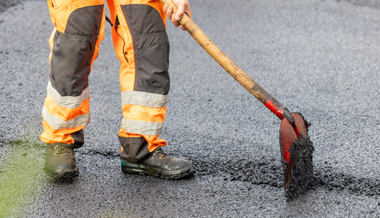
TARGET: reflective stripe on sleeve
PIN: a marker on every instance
(144, 99)
(68, 101)
(141, 127)
(57, 123)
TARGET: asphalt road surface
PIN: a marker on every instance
(318, 57)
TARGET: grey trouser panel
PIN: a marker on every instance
(151, 44)
(135, 149)
(73, 51)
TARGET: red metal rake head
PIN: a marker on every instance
(297, 151)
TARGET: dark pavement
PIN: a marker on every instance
(318, 57)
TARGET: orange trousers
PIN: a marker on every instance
(141, 44)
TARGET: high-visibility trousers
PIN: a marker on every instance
(141, 44)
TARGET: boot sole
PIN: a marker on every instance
(64, 175)
(132, 168)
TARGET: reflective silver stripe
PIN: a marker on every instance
(144, 99)
(141, 127)
(57, 123)
(68, 101)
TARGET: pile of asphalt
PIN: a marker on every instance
(366, 3)
(302, 175)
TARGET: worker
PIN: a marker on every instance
(141, 44)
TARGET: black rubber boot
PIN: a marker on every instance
(60, 161)
(161, 165)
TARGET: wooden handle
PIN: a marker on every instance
(234, 70)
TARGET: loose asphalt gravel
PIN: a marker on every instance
(318, 57)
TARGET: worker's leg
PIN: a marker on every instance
(74, 45)
(142, 46)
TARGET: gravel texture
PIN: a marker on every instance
(5, 4)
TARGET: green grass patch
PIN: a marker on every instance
(20, 176)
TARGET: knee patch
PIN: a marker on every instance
(151, 48)
(73, 50)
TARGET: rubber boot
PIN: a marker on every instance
(160, 165)
(60, 161)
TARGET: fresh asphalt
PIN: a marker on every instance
(318, 57)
